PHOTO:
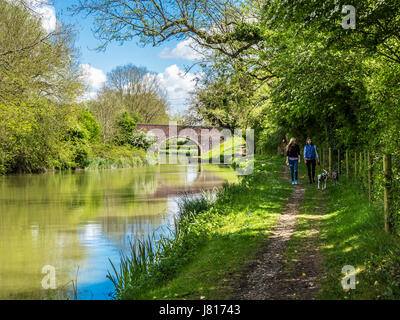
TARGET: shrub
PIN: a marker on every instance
(140, 139)
(126, 126)
(90, 125)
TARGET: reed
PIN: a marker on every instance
(151, 259)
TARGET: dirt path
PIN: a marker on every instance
(269, 279)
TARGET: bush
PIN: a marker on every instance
(126, 126)
(111, 156)
(188, 203)
(90, 125)
(140, 139)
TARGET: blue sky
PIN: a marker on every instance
(168, 60)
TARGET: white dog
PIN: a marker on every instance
(322, 178)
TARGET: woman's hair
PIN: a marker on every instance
(290, 145)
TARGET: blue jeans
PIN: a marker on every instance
(293, 169)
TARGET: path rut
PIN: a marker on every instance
(267, 280)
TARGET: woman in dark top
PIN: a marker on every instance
(293, 159)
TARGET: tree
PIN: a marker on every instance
(32, 62)
(227, 27)
(134, 90)
(377, 29)
(105, 108)
(225, 99)
(126, 126)
(140, 92)
(211, 23)
(39, 82)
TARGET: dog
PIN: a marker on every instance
(322, 178)
(335, 177)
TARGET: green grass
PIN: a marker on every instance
(351, 232)
(308, 221)
(227, 147)
(219, 242)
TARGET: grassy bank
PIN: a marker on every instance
(110, 156)
(214, 241)
(228, 147)
(351, 232)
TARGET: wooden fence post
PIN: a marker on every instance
(326, 158)
(330, 159)
(347, 164)
(322, 158)
(387, 196)
(361, 166)
(355, 164)
(365, 166)
(369, 166)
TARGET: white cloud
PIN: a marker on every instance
(178, 85)
(94, 78)
(187, 50)
(48, 16)
(43, 10)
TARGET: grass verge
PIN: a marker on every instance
(351, 232)
(215, 243)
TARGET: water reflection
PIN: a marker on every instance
(76, 221)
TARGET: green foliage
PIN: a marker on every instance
(140, 139)
(34, 64)
(111, 156)
(39, 84)
(30, 135)
(90, 125)
(126, 126)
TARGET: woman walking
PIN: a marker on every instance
(293, 159)
(310, 158)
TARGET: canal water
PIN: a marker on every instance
(68, 225)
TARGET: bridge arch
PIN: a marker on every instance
(162, 141)
(164, 133)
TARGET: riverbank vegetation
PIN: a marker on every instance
(212, 242)
(347, 230)
(45, 121)
(353, 234)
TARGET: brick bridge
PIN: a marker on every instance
(205, 137)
